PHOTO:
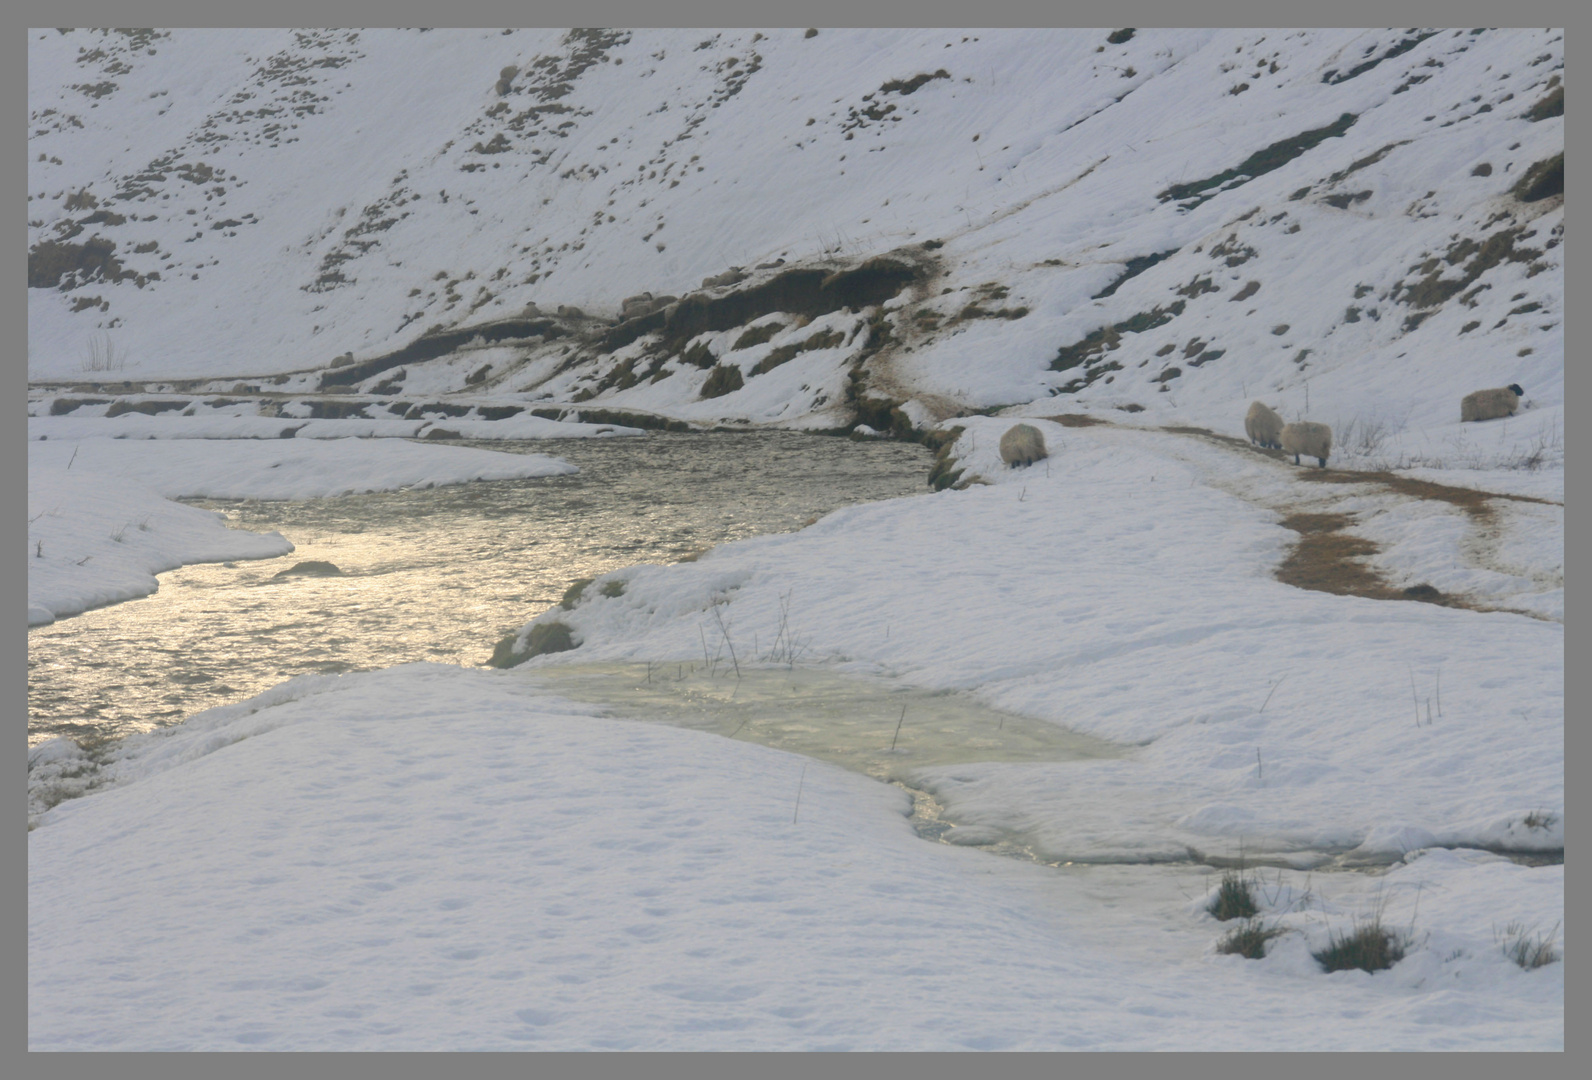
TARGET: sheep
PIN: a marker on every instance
(1022, 445)
(508, 72)
(632, 306)
(1263, 426)
(1308, 438)
(1491, 404)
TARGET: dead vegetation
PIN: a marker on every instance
(724, 379)
(1369, 947)
(1530, 951)
(1327, 559)
(1249, 939)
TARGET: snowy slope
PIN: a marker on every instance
(1351, 223)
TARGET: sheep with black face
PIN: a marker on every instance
(1491, 404)
(1023, 444)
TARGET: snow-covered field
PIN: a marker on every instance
(434, 858)
(1121, 240)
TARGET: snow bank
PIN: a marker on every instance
(101, 526)
(434, 858)
(98, 538)
(287, 469)
(1129, 594)
(133, 425)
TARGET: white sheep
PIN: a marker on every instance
(1263, 426)
(1491, 404)
(1309, 438)
(1022, 445)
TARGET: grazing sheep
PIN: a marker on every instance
(1022, 445)
(1263, 426)
(1308, 438)
(1491, 404)
(508, 72)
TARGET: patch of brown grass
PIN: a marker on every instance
(1327, 560)
(1472, 501)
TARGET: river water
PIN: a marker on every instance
(436, 575)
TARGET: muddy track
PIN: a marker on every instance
(1328, 558)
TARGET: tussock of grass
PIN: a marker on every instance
(1540, 819)
(1370, 947)
(1249, 940)
(1530, 951)
(725, 379)
(757, 335)
(549, 637)
(572, 594)
(1235, 898)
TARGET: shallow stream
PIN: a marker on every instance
(437, 574)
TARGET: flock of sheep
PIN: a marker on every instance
(1305, 437)
(1023, 444)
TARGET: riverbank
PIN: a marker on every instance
(101, 523)
(436, 857)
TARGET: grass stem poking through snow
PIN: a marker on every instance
(75, 449)
(720, 620)
(1370, 946)
(1413, 699)
(1529, 952)
(898, 728)
(1270, 692)
(797, 812)
(1249, 940)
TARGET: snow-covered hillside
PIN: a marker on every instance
(1351, 223)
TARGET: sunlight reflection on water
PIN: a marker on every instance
(438, 574)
